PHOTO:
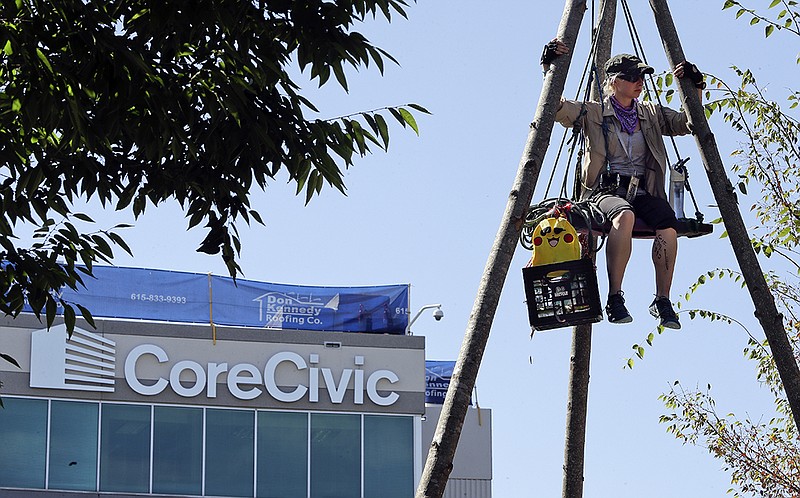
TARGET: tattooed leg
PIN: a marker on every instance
(665, 251)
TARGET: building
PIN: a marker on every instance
(295, 407)
(472, 467)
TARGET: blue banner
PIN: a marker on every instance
(145, 294)
(437, 380)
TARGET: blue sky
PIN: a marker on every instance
(426, 213)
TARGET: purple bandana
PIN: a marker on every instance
(628, 117)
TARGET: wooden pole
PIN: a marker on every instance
(765, 309)
(578, 397)
(439, 463)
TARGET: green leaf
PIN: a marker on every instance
(419, 108)
(768, 30)
(774, 3)
(9, 359)
(383, 129)
(87, 315)
(409, 118)
(50, 311)
(102, 246)
(397, 116)
(83, 217)
(69, 318)
(340, 77)
(120, 242)
(256, 216)
(370, 121)
(44, 60)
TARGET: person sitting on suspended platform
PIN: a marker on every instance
(624, 168)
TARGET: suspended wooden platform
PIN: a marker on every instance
(687, 227)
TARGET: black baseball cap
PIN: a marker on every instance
(627, 64)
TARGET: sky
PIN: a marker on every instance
(427, 212)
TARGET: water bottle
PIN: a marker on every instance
(677, 179)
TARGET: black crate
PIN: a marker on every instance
(562, 294)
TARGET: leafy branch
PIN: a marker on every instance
(787, 18)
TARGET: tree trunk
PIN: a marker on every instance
(577, 403)
(439, 463)
(765, 310)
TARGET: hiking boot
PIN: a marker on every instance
(616, 310)
(661, 308)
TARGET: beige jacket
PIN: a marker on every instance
(652, 122)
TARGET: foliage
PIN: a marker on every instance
(132, 103)
(763, 458)
(769, 157)
(787, 18)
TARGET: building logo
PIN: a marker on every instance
(278, 308)
(83, 362)
(245, 381)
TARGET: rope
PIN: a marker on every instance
(585, 211)
(577, 137)
(680, 165)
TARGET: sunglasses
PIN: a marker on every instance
(630, 77)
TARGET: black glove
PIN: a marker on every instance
(690, 71)
(549, 53)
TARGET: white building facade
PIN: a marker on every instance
(137, 408)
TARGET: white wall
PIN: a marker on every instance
(474, 453)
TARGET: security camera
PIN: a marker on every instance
(438, 314)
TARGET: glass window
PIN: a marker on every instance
(282, 455)
(388, 456)
(177, 450)
(23, 436)
(229, 452)
(335, 455)
(73, 446)
(125, 448)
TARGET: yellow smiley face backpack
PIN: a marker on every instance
(554, 240)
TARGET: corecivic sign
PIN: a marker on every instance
(246, 381)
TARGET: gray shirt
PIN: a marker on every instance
(630, 160)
